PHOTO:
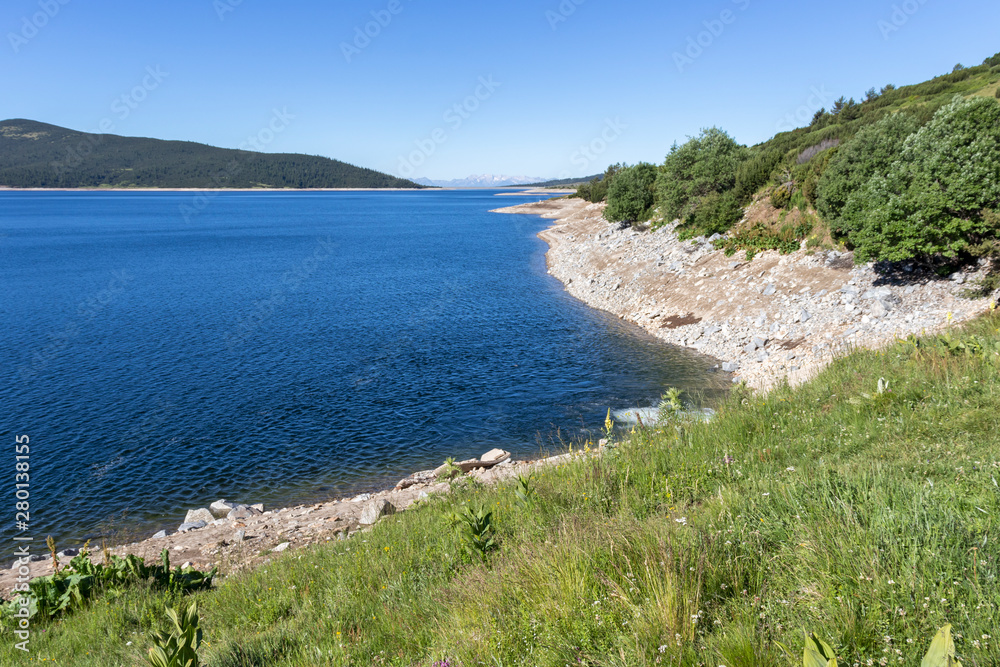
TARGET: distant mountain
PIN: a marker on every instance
(483, 181)
(39, 155)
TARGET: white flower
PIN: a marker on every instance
(790, 469)
(683, 520)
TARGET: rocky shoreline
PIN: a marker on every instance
(236, 537)
(775, 318)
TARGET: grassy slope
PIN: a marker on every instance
(871, 520)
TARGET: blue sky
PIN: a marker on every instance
(543, 87)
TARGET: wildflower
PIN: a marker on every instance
(683, 520)
(790, 469)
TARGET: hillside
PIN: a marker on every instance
(39, 155)
(564, 182)
(907, 174)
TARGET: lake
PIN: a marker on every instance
(163, 350)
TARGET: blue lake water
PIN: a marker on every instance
(163, 350)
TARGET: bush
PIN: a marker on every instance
(755, 173)
(992, 61)
(781, 195)
(870, 152)
(631, 194)
(787, 239)
(998, 94)
(597, 190)
(932, 203)
(704, 165)
(716, 214)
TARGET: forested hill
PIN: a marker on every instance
(39, 155)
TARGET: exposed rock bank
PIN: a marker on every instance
(775, 317)
(244, 536)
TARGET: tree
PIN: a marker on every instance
(755, 173)
(631, 194)
(957, 68)
(705, 164)
(936, 200)
(597, 190)
(871, 95)
(872, 151)
(887, 88)
(838, 105)
(818, 116)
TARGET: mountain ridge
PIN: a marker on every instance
(34, 154)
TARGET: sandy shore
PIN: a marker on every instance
(774, 318)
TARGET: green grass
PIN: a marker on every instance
(867, 518)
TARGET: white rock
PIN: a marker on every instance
(493, 455)
(282, 547)
(375, 510)
(193, 516)
(220, 508)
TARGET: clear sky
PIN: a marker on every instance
(535, 81)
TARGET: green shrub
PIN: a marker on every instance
(75, 585)
(755, 173)
(704, 165)
(992, 61)
(597, 190)
(931, 205)
(715, 214)
(809, 187)
(631, 194)
(870, 152)
(781, 195)
(998, 94)
(787, 239)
